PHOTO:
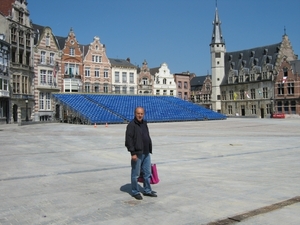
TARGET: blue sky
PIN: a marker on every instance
(177, 32)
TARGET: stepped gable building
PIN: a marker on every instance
(124, 76)
(47, 64)
(71, 64)
(182, 81)
(164, 83)
(145, 80)
(97, 68)
(201, 89)
(244, 82)
(15, 23)
(287, 88)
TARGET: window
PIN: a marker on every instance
(50, 77)
(280, 88)
(293, 107)
(124, 90)
(230, 95)
(124, 77)
(131, 78)
(44, 101)
(28, 39)
(165, 92)
(265, 92)
(241, 78)
(48, 40)
(105, 88)
(253, 109)
(264, 75)
(252, 77)
(242, 94)
(218, 97)
(4, 84)
(14, 34)
(223, 95)
(286, 107)
(285, 72)
(48, 101)
(117, 77)
(157, 92)
(96, 58)
(268, 107)
(131, 89)
(218, 55)
(290, 88)
(71, 69)
(279, 106)
(43, 57)
(41, 101)
(97, 72)
(185, 85)
(21, 37)
(164, 81)
(21, 17)
(252, 93)
(105, 73)
(230, 79)
(52, 58)
(87, 87)
(145, 81)
(230, 109)
(179, 84)
(87, 71)
(117, 89)
(96, 88)
(179, 95)
(207, 87)
(16, 84)
(185, 96)
(25, 85)
(72, 52)
(171, 92)
(43, 76)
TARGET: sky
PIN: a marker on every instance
(176, 32)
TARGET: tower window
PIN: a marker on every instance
(218, 55)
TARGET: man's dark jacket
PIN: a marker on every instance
(134, 137)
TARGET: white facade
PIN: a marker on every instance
(124, 78)
(164, 83)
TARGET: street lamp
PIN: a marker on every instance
(271, 107)
(26, 101)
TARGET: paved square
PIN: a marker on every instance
(209, 171)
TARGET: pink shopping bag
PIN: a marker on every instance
(154, 175)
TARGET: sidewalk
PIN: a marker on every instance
(209, 171)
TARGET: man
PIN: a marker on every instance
(138, 143)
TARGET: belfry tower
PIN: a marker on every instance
(217, 51)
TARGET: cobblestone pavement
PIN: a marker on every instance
(209, 171)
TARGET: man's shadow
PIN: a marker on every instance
(127, 188)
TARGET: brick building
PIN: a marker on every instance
(97, 68)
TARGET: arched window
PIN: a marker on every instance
(165, 81)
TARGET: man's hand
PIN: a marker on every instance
(134, 157)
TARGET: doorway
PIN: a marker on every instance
(262, 113)
(15, 113)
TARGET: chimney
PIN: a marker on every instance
(128, 59)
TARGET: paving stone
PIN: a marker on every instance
(209, 171)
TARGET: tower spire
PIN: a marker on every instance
(217, 37)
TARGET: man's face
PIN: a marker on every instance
(139, 114)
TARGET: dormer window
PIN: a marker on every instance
(285, 72)
(72, 52)
(241, 78)
(21, 16)
(252, 77)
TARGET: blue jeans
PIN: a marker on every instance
(142, 164)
